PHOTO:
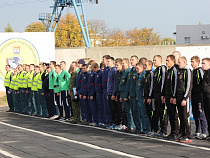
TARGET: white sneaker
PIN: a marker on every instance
(54, 117)
(150, 134)
(203, 136)
(196, 135)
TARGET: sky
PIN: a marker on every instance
(162, 15)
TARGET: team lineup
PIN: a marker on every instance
(141, 99)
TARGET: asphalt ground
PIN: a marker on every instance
(31, 137)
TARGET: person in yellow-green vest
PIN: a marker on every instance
(34, 88)
(20, 86)
(41, 96)
(31, 100)
(12, 87)
(25, 88)
(17, 93)
(7, 81)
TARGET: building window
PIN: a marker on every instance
(187, 39)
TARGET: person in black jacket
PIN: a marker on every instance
(182, 95)
(206, 90)
(197, 99)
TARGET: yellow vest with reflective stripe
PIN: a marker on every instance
(35, 83)
(30, 79)
(16, 82)
(7, 79)
(12, 84)
(21, 79)
(40, 81)
(25, 80)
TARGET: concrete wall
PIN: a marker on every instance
(126, 52)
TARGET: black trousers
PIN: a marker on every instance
(173, 116)
(206, 103)
(58, 102)
(51, 103)
(151, 113)
(114, 110)
(161, 113)
(184, 117)
(123, 117)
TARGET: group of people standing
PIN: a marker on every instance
(112, 95)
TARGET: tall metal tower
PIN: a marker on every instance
(49, 18)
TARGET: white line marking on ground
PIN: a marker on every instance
(5, 153)
(73, 141)
(114, 131)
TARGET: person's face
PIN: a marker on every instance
(147, 66)
(181, 63)
(176, 55)
(20, 68)
(133, 61)
(63, 66)
(80, 66)
(84, 69)
(139, 69)
(24, 67)
(57, 69)
(124, 65)
(109, 62)
(41, 67)
(94, 69)
(118, 66)
(205, 64)
(89, 67)
(194, 64)
(36, 70)
(48, 70)
(15, 72)
(27, 68)
(169, 62)
(31, 68)
(104, 61)
(7, 68)
(156, 61)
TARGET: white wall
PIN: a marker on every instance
(25, 48)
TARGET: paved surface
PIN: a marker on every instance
(32, 137)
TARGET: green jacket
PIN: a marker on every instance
(52, 76)
(140, 85)
(64, 80)
(131, 83)
(72, 83)
(123, 80)
(57, 83)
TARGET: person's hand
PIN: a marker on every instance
(107, 97)
(69, 93)
(144, 101)
(184, 103)
(91, 97)
(10, 90)
(149, 101)
(58, 94)
(76, 93)
(174, 101)
(33, 92)
(80, 96)
(42, 93)
(121, 100)
(171, 100)
(163, 99)
(136, 98)
(84, 97)
(27, 91)
(113, 97)
(129, 97)
(22, 91)
(125, 99)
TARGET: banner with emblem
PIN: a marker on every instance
(25, 48)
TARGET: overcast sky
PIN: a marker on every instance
(162, 15)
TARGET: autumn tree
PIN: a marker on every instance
(168, 41)
(8, 28)
(35, 27)
(98, 31)
(116, 37)
(145, 36)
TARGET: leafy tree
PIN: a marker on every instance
(8, 28)
(168, 41)
(35, 27)
(116, 38)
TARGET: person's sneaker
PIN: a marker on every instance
(92, 124)
(196, 135)
(162, 135)
(122, 128)
(203, 136)
(113, 126)
(155, 135)
(208, 137)
(186, 140)
(54, 117)
(150, 134)
(174, 138)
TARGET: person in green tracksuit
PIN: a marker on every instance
(130, 93)
(41, 97)
(72, 85)
(122, 87)
(25, 88)
(31, 100)
(34, 88)
(20, 86)
(7, 81)
(12, 88)
(64, 88)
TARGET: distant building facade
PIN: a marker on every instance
(192, 34)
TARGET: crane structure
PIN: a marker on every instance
(49, 18)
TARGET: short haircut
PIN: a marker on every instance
(126, 60)
(74, 62)
(28, 65)
(58, 66)
(172, 57)
(37, 66)
(20, 65)
(94, 65)
(196, 58)
(177, 52)
(106, 56)
(8, 65)
(48, 67)
(53, 62)
(158, 56)
(32, 65)
(112, 58)
(134, 56)
(119, 60)
(91, 62)
(183, 58)
(102, 65)
(150, 62)
(63, 62)
(85, 65)
(139, 64)
(142, 59)
(207, 59)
